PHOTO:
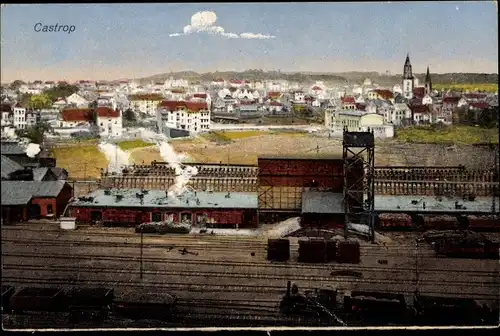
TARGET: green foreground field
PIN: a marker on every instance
(131, 144)
(466, 135)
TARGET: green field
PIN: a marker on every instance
(81, 162)
(485, 87)
(466, 135)
(131, 144)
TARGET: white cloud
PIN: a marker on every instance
(204, 22)
(256, 36)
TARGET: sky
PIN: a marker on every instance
(116, 41)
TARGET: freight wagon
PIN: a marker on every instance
(377, 308)
(447, 311)
(467, 248)
(87, 303)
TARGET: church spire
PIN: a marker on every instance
(407, 72)
(428, 76)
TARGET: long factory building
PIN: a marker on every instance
(310, 187)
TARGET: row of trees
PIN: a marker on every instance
(44, 99)
(487, 118)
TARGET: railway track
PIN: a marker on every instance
(158, 286)
(196, 246)
(236, 276)
(261, 265)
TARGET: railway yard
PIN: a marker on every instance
(222, 280)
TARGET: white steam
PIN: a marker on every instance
(117, 158)
(32, 150)
(183, 173)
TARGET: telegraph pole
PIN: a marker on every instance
(141, 253)
(417, 273)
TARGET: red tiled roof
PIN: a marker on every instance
(420, 108)
(480, 105)
(419, 92)
(348, 100)
(316, 88)
(107, 112)
(178, 91)
(200, 95)
(236, 81)
(194, 106)
(154, 97)
(275, 103)
(76, 114)
(273, 94)
(474, 95)
(385, 94)
(18, 105)
(451, 100)
(360, 106)
(5, 108)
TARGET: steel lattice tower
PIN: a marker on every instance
(359, 187)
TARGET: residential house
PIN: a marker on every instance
(47, 115)
(184, 115)
(204, 96)
(353, 120)
(427, 100)
(145, 103)
(418, 92)
(78, 101)
(276, 108)
(400, 114)
(348, 103)
(397, 89)
(357, 90)
(72, 117)
(421, 114)
(450, 103)
(439, 115)
(359, 99)
(60, 103)
(32, 118)
(7, 115)
(19, 120)
(382, 94)
(274, 95)
(218, 82)
(248, 110)
(236, 83)
(109, 121)
(299, 97)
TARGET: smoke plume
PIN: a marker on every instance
(117, 158)
(32, 150)
(183, 173)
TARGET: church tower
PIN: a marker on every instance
(408, 79)
(428, 82)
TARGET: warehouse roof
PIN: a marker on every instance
(9, 166)
(312, 156)
(327, 202)
(12, 148)
(21, 192)
(322, 202)
(432, 204)
(157, 198)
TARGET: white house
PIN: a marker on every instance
(299, 97)
(109, 121)
(145, 103)
(185, 115)
(77, 100)
(19, 120)
(397, 89)
(203, 97)
(427, 100)
(355, 120)
(462, 102)
(357, 90)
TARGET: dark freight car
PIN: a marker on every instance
(377, 308)
(486, 222)
(389, 221)
(38, 299)
(446, 311)
(7, 292)
(138, 305)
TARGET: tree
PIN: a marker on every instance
(15, 85)
(35, 133)
(40, 101)
(62, 90)
(129, 115)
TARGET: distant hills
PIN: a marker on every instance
(329, 78)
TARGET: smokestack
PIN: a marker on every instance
(288, 288)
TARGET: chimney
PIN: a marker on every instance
(288, 288)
